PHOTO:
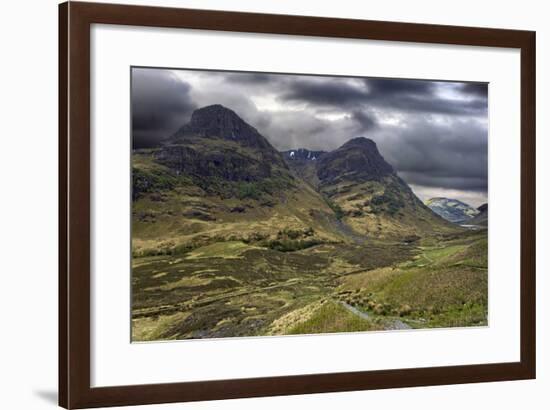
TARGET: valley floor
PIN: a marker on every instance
(228, 289)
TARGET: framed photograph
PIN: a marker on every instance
(255, 205)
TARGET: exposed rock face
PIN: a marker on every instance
(227, 164)
(218, 143)
(356, 160)
(221, 122)
(482, 217)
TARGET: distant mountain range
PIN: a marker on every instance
(302, 154)
(218, 176)
(454, 210)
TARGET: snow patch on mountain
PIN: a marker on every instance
(452, 210)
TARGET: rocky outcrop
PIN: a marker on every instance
(218, 143)
(217, 121)
(227, 164)
(482, 217)
(356, 160)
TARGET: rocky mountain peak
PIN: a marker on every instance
(216, 117)
(221, 122)
(201, 148)
(357, 159)
(362, 143)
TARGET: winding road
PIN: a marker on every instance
(394, 324)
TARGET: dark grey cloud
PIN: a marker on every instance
(422, 95)
(331, 92)
(475, 90)
(434, 133)
(390, 87)
(365, 120)
(250, 78)
(450, 154)
(473, 184)
(160, 105)
(396, 94)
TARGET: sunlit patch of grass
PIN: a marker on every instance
(332, 317)
(186, 281)
(227, 250)
(232, 288)
(282, 325)
(370, 279)
(440, 287)
(438, 255)
(152, 328)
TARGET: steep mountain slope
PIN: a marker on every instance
(482, 217)
(358, 160)
(452, 210)
(218, 178)
(303, 163)
(369, 195)
(218, 143)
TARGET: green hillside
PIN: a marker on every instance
(232, 238)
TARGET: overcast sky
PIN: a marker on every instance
(433, 133)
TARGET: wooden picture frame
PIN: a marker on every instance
(75, 20)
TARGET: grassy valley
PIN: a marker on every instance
(236, 289)
(232, 238)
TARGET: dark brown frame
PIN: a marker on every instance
(75, 20)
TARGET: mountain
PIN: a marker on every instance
(217, 121)
(482, 217)
(365, 191)
(452, 210)
(372, 199)
(217, 142)
(358, 160)
(217, 178)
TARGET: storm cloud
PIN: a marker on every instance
(434, 133)
(414, 96)
(160, 105)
